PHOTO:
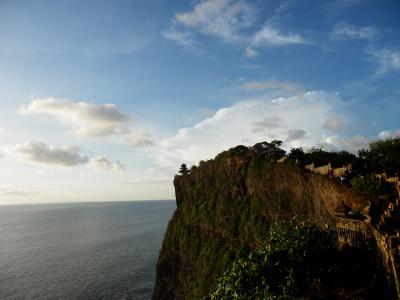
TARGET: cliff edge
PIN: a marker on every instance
(225, 205)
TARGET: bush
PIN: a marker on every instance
(383, 155)
(292, 260)
(370, 185)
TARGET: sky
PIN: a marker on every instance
(103, 100)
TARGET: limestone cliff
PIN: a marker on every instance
(225, 205)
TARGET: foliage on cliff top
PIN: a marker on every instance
(381, 155)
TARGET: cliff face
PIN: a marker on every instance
(225, 205)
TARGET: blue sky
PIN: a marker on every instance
(103, 100)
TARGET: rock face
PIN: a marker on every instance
(225, 205)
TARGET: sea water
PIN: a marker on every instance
(81, 251)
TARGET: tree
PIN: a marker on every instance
(276, 143)
(183, 170)
(371, 186)
(383, 155)
(297, 154)
(337, 159)
(271, 150)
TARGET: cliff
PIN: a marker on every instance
(224, 206)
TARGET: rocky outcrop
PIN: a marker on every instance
(225, 206)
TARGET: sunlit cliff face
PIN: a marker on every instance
(226, 204)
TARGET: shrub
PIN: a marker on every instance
(370, 185)
(292, 259)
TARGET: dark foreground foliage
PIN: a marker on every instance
(297, 261)
(371, 186)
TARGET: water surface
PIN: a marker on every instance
(81, 251)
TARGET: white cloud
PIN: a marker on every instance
(67, 156)
(355, 143)
(137, 139)
(388, 60)
(389, 133)
(182, 38)
(41, 153)
(269, 37)
(344, 31)
(250, 53)
(253, 121)
(119, 167)
(230, 21)
(84, 119)
(103, 164)
(334, 123)
(89, 120)
(100, 163)
(267, 124)
(220, 18)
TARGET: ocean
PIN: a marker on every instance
(81, 251)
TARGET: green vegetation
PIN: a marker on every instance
(294, 258)
(371, 186)
(297, 261)
(337, 159)
(223, 226)
(269, 150)
(297, 154)
(216, 217)
(382, 156)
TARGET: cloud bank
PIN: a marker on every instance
(298, 121)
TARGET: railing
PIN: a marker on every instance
(352, 232)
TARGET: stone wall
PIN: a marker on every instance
(337, 172)
(324, 170)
